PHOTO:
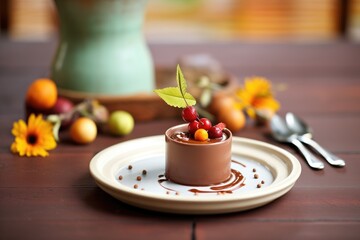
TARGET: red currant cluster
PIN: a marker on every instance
(201, 129)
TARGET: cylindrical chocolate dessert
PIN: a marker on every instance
(197, 163)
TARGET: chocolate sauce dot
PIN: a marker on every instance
(144, 172)
(136, 186)
(256, 176)
(120, 177)
(129, 167)
(138, 178)
(254, 170)
(258, 186)
(262, 182)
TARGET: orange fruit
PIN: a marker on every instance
(201, 135)
(233, 118)
(221, 102)
(42, 94)
(83, 130)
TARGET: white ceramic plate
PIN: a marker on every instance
(276, 172)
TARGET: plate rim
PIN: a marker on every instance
(281, 187)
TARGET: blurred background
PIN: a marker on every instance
(207, 20)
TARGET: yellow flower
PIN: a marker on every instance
(256, 96)
(33, 139)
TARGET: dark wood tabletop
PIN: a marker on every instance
(56, 198)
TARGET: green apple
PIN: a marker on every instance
(121, 123)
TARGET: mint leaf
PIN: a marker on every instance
(175, 98)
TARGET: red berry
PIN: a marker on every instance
(221, 125)
(193, 126)
(189, 114)
(215, 132)
(205, 124)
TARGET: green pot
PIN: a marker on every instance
(102, 49)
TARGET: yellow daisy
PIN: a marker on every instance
(257, 95)
(33, 139)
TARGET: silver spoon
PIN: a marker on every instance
(283, 134)
(304, 133)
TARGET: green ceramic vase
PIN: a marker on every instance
(102, 49)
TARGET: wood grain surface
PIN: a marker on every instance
(56, 198)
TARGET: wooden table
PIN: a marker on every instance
(56, 198)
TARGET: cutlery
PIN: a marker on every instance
(304, 134)
(282, 133)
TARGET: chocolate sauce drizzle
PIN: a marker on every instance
(236, 181)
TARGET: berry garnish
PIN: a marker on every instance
(193, 127)
(205, 123)
(200, 129)
(201, 135)
(189, 114)
(215, 132)
(221, 125)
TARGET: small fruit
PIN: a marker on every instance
(215, 132)
(121, 123)
(221, 102)
(189, 114)
(100, 114)
(83, 130)
(201, 135)
(205, 124)
(62, 105)
(221, 125)
(233, 118)
(42, 94)
(193, 127)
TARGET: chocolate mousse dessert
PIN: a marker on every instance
(197, 153)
